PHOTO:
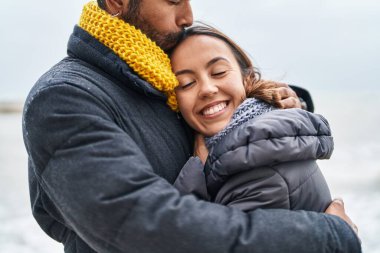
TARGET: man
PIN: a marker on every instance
(104, 148)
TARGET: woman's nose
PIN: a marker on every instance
(185, 18)
(208, 88)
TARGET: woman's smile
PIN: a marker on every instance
(214, 109)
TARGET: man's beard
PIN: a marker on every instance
(166, 41)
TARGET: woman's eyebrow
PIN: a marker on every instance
(208, 64)
(216, 59)
(184, 71)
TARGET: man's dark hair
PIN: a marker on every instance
(102, 4)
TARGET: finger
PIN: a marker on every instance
(278, 85)
(290, 102)
(286, 92)
(339, 200)
(336, 207)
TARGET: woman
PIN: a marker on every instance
(259, 156)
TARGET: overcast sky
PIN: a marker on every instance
(321, 45)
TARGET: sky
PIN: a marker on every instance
(323, 45)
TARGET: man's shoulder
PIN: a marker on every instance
(69, 70)
(75, 74)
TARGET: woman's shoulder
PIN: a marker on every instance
(274, 124)
(273, 137)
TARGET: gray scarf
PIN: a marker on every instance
(249, 109)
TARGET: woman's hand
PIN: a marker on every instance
(200, 148)
(337, 208)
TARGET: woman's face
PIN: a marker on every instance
(210, 83)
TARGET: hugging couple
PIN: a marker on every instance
(157, 135)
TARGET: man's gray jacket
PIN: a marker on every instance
(104, 150)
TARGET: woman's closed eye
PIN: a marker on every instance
(186, 85)
(175, 2)
(219, 73)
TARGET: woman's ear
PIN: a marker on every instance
(248, 84)
(245, 82)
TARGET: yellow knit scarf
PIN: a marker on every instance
(135, 48)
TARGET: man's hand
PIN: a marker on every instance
(288, 98)
(200, 148)
(337, 208)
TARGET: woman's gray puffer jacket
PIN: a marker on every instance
(267, 162)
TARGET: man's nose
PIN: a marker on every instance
(185, 18)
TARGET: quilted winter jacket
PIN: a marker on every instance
(267, 162)
(270, 162)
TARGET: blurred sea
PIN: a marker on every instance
(19, 233)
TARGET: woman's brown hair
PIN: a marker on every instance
(254, 85)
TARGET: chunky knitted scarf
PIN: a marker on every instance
(249, 109)
(143, 55)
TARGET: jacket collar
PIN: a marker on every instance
(83, 46)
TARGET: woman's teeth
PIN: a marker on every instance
(214, 109)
